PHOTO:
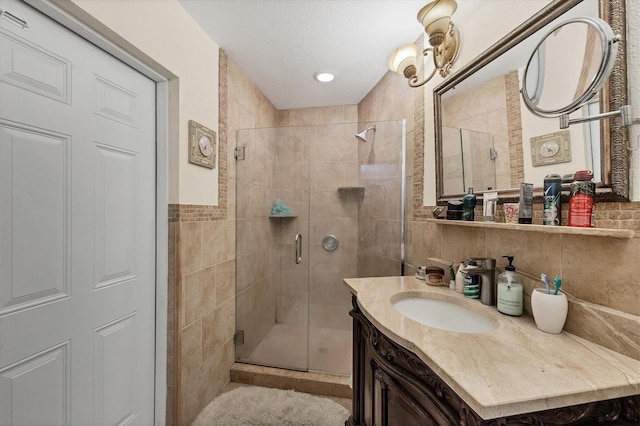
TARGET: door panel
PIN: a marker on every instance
(32, 180)
(115, 102)
(115, 189)
(40, 381)
(35, 69)
(114, 372)
(77, 230)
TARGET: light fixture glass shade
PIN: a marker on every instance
(403, 57)
(430, 16)
(439, 26)
(444, 39)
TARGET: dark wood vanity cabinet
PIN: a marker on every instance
(392, 386)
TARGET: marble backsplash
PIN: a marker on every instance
(607, 327)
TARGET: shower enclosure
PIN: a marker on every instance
(315, 204)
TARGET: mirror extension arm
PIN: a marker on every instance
(624, 113)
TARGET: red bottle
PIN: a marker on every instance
(581, 201)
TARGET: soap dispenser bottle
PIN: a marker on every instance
(509, 299)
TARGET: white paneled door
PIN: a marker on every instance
(77, 230)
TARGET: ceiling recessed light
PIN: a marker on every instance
(324, 76)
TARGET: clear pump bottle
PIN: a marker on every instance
(510, 298)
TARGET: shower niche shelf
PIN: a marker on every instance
(351, 190)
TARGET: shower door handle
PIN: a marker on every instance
(298, 248)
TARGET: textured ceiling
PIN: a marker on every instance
(279, 44)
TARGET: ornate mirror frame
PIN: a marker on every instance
(615, 157)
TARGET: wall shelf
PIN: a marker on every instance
(353, 190)
(282, 216)
(566, 230)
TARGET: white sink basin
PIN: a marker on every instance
(444, 315)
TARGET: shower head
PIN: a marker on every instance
(362, 136)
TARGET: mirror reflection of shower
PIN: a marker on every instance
(362, 136)
(469, 160)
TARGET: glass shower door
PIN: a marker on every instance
(272, 247)
(347, 220)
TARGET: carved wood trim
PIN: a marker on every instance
(358, 369)
(406, 367)
(382, 378)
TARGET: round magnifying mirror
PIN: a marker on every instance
(569, 66)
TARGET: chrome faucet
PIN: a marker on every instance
(487, 271)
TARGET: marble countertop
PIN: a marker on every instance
(513, 369)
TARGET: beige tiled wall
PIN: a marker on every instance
(334, 165)
(326, 134)
(379, 225)
(516, 151)
(201, 313)
(205, 251)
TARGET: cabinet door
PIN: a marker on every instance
(394, 404)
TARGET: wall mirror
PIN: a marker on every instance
(486, 137)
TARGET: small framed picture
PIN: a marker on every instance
(203, 145)
(552, 148)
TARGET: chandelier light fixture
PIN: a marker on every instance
(444, 41)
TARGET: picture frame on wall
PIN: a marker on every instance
(552, 148)
(203, 145)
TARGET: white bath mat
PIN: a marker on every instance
(258, 406)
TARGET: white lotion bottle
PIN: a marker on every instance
(510, 297)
